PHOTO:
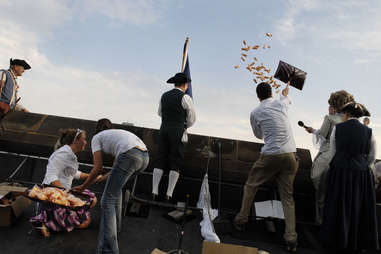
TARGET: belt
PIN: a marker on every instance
(141, 149)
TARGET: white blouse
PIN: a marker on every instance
(62, 166)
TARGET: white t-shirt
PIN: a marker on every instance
(115, 142)
(62, 166)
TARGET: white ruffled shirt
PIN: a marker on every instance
(62, 166)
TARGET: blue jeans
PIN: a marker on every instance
(128, 163)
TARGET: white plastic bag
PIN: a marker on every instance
(209, 214)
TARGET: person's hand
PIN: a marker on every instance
(98, 179)
(285, 91)
(309, 129)
(79, 189)
(102, 178)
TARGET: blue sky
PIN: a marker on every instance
(111, 58)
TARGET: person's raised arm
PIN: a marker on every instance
(284, 95)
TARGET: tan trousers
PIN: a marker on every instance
(283, 168)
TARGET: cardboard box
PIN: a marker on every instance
(223, 248)
(157, 251)
(10, 212)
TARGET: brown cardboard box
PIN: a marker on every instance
(9, 213)
(223, 248)
(157, 251)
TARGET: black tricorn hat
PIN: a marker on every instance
(286, 72)
(355, 109)
(179, 78)
(20, 62)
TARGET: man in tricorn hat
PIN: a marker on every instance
(9, 86)
(177, 114)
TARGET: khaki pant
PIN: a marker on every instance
(283, 167)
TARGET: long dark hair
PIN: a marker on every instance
(103, 124)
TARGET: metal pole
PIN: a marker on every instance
(183, 225)
(17, 169)
(185, 54)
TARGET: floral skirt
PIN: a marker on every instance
(57, 218)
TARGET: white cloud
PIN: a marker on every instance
(35, 16)
(139, 12)
(353, 25)
(288, 26)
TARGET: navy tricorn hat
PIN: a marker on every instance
(179, 78)
(20, 62)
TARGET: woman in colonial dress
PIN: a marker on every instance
(350, 223)
(321, 139)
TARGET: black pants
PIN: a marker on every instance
(171, 149)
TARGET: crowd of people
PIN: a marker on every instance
(343, 171)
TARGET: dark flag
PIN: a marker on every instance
(185, 67)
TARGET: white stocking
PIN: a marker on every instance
(173, 177)
(157, 174)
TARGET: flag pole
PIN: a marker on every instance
(185, 54)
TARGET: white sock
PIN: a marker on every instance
(173, 177)
(157, 174)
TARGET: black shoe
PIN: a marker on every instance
(168, 200)
(291, 246)
(239, 227)
(154, 197)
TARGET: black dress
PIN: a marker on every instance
(350, 221)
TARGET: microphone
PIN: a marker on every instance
(301, 124)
